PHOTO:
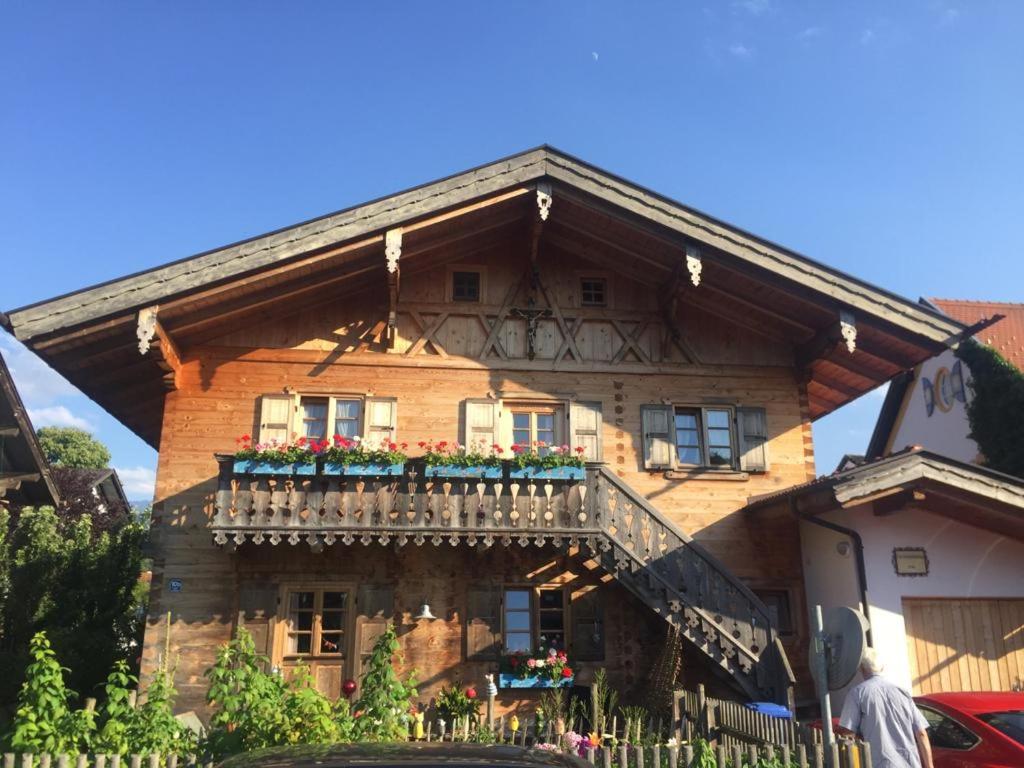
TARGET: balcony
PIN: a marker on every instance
(673, 575)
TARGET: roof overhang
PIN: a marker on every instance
(913, 480)
(27, 479)
(757, 285)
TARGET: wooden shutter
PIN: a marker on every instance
(480, 423)
(585, 429)
(257, 606)
(275, 418)
(381, 415)
(659, 447)
(752, 429)
(587, 614)
(483, 624)
(375, 607)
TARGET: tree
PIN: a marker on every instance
(997, 388)
(73, 447)
(82, 589)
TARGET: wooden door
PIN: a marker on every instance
(314, 635)
(964, 644)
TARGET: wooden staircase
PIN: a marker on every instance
(647, 554)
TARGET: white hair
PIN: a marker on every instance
(871, 663)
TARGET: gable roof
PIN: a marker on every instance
(24, 472)
(1005, 336)
(756, 285)
(965, 492)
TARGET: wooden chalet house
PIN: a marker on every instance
(534, 298)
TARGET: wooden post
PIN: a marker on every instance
(591, 755)
(8, 760)
(83, 760)
(801, 755)
(26, 761)
(172, 761)
(62, 761)
(819, 756)
(673, 756)
(737, 754)
(639, 755)
(656, 756)
(703, 726)
(44, 760)
(623, 756)
(136, 761)
(723, 761)
(115, 761)
(101, 761)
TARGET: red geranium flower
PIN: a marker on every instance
(566, 672)
(580, 449)
(301, 441)
(246, 438)
(422, 444)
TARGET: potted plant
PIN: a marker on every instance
(275, 458)
(545, 669)
(544, 462)
(444, 459)
(354, 457)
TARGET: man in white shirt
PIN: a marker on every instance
(886, 717)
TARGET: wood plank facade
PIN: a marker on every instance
(536, 296)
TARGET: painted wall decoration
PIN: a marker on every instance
(945, 390)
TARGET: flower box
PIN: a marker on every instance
(508, 680)
(555, 473)
(364, 470)
(257, 467)
(451, 470)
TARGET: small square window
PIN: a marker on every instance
(593, 292)
(777, 603)
(465, 286)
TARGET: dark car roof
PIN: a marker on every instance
(414, 753)
(977, 702)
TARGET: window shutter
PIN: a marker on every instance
(587, 625)
(752, 429)
(659, 447)
(480, 425)
(483, 624)
(585, 429)
(257, 608)
(275, 417)
(375, 606)
(380, 419)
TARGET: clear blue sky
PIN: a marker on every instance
(882, 138)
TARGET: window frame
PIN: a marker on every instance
(703, 436)
(534, 612)
(787, 595)
(557, 411)
(603, 280)
(288, 629)
(299, 420)
(959, 750)
(449, 283)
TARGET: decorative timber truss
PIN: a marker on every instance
(601, 515)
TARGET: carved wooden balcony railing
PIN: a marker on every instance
(666, 569)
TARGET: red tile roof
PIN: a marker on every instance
(1006, 336)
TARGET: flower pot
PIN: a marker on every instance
(450, 470)
(556, 473)
(257, 467)
(509, 680)
(364, 470)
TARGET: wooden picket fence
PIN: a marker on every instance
(46, 760)
(733, 728)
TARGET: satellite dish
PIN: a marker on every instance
(844, 643)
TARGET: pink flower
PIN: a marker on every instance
(531, 663)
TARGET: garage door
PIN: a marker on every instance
(965, 645)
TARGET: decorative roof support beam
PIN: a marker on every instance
(544, 200)
(392, 253)
(848, 329)
(9, 430)
(166, 353)
(694, 265)
(843, 331)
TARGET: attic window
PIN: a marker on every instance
(465, 286)
(593, 292)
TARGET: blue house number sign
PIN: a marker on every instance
(174, 585)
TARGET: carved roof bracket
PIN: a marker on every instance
(694, 265)
(544, 200)
(165, 353)
(392, 253)
(848, 329)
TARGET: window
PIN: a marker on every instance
(315, 413)
(704, 437)
(535, 426)
(533, 619)
(316, 622)
(593, 292)
(1010, 723)
(517, 624)
(777, 603)
(946, 733)
(465, 286)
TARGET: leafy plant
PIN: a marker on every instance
(543, 456)
(997, 388)
(44, 721)
(382, 711)
(603, 699)
(455, 454)
(310, 716)
(452, 703)
(153, 729)
(73, 447)
(551, 706)
(347, 451)
(302, 451)
(118, 712)
(632, 728)
(550, 664)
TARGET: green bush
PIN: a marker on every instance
(997, 388)
(382, 711)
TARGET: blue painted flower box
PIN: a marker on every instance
(557, 473)
(450, 470)
(256, 467)
(508, 680)
(364, 470)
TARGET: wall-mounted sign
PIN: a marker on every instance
(910, 561)
(174, 585)
(947, 388)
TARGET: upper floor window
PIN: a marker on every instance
(465, 286)
(320, 417)
(593, 292)
(704, 437)
(316, 413)
(536, 426)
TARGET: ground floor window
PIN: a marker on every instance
(533, 619)
(317, 622)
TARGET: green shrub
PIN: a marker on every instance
(997, 389)
(382, 711)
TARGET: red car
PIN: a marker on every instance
(975, 730)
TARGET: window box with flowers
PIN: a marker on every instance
(543, 462)
(545, 669)
(353, 457)
(444, 459)
(274, 458)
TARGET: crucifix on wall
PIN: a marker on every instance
(531, 316)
